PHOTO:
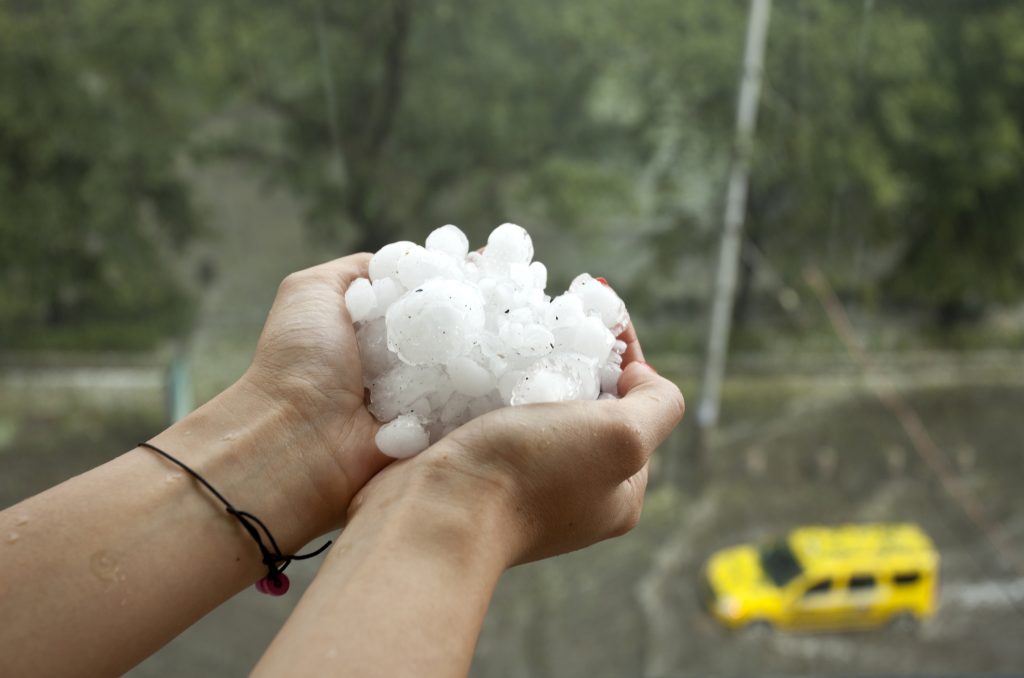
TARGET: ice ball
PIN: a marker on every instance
(360, 299)
(598, 298)
(445, 334)
(511, 244)
(402, 437)
(435, 323)
(384, 264)
(450, 240)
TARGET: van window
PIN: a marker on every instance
(906, 578)
(822, 586)
(779, 562)
(862, 582)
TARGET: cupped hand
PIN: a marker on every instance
(307, 360)
(562, 475)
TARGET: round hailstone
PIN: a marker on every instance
(372, 340)
(593, 340)
(402, 437)
(384, 264)
(540, 275)
(418, 265)
(387, 291)
(562, 376)
(450, 240)
(360, 299)
(537, 341)
(470, 378)
(511, 244)
(436, 322)
(543, 386)
(396, 391)
(564, 311)
(446, 335)
(609, 375)
(600, 299)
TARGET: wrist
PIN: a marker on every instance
(259, 456)
(436, 505)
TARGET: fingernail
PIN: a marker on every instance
(602, 281)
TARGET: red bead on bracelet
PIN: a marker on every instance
(267, 585)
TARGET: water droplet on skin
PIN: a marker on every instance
(12, 537)
(105, 566)
(187, 433)
(22, 519)
(229, 436)
(171, 477)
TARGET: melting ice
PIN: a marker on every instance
(446, 334)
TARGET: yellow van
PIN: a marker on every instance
(846, 577)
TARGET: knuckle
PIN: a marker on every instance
(626, 436)
(679, 403)
(630, 518)
(291, 281)
(630, 445)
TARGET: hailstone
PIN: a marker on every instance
(445, 335)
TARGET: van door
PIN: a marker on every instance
(817, 605)
(864, 600)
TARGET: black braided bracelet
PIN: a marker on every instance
(276, 582)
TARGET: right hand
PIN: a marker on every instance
(561, 476)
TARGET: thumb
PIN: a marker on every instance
(345, 269)
(652, 403)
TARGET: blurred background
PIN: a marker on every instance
(164, 165)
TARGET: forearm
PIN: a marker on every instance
(403, 593)
(105, 568)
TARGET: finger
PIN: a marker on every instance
(633, 352)
(650, 404)
(345, 269)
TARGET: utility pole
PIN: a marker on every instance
(735, 210)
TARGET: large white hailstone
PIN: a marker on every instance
(450, 240)
(510, 243)
(372, 339)
(418, 264)
(598, 298)
(446, 335)
(564, 376)
(438, 321)
(403, 436)
(361, 300)
(384, 264)
(470, 378)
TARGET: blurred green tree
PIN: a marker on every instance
(891, 150)
(95, 109)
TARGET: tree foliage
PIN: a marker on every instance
(93, 123)
(890, 149)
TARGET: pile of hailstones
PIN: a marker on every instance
(446, 335)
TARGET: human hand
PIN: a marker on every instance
(556, 476)
(306, 367)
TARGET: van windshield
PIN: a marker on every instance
(779, 562)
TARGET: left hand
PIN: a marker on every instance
(307, 362)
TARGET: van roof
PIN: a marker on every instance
(867, 548)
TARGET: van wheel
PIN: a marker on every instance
(904, 622)
(759, 628)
